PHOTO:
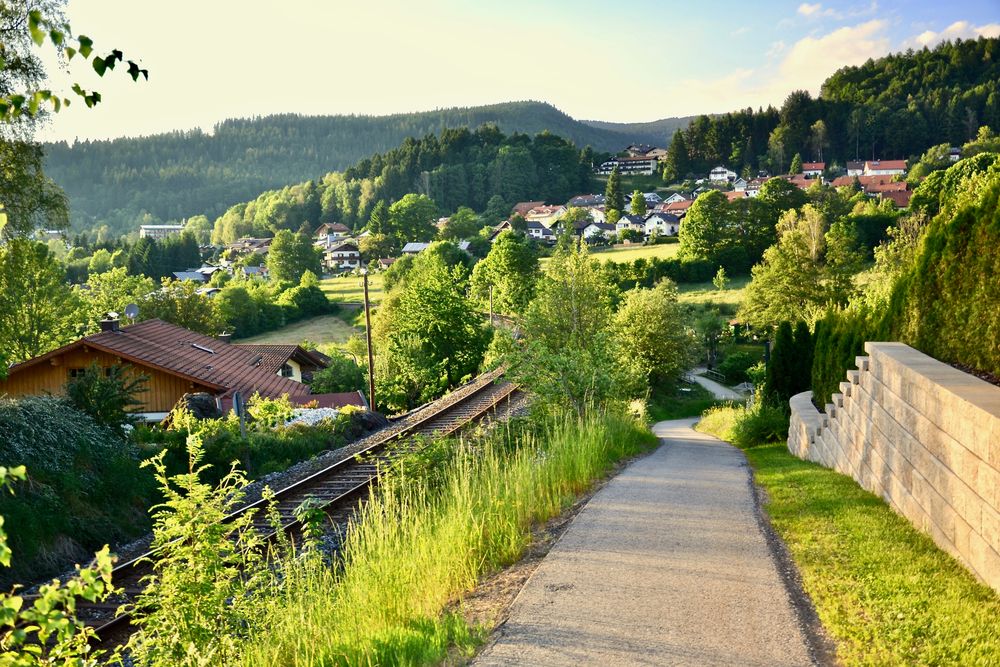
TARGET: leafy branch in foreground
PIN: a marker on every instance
(48, 632)
(41, 28)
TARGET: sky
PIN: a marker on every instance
(627, 61)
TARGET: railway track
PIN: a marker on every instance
(338, 488)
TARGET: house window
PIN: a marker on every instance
(287, 371)
(76, 372)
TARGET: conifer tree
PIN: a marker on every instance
(677, 164)
(638, 204)
(614, 200)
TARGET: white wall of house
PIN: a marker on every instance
(295, 370)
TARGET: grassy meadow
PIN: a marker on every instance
(634, 252)
(421, 543)
(349, 288)
(319, 330)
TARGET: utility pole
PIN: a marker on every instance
(368, 335)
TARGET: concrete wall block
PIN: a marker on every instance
(845, 389)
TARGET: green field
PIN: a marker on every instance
(706, 294)
(632, 253)
(349, 289)
(318, 330)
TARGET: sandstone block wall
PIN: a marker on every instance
(923, 436)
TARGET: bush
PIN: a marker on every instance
(342, 374)
(840, 337)
(106, 394)
(745, 426)
(84, 486)
(735, 366)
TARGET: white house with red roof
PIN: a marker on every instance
(885, 168)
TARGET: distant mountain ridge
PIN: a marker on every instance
(179, 174)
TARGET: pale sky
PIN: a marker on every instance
(631, 60)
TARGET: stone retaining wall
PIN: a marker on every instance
(923, 436)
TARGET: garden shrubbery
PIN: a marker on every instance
(83, 490)
(745, 426)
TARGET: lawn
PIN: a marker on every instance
(632, 253)
(318, 330)
(707, 294)
(881, 588)
(349, 288)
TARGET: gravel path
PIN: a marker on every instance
(666, 565)
(720, 391)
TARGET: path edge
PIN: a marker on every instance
(822, 649)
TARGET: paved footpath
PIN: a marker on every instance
(666, 565)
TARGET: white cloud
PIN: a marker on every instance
(808, 10)
(740, 31)
(957, 30)
(775, 49)
(803, 66)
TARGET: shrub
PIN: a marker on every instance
(342, 374)
(735, 366)
(106, 394)
(840, 337)
(745, 426)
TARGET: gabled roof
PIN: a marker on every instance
(328, 227)
(813, 166)
(665, 217)
(886, 164)
(196, 276)
(175, 350)
(344, 245)
(274, 355)
(523, 207)
(678, 205)
(632, 219)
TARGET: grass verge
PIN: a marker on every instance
(687, 401)
(881, 588)
(351, 290)
(318, 330)
(422, 542)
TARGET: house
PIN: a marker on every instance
(384, 263)
(415, 248)
(813, 169)
(194, 276)
(800, 180)
(657, 152)
(522, 208)
(502, 227)
(901, 198)
(954, 154)
(855, 167)
(546, 215)
(885, 168)
(595, 230)
(652, 199)
(733, 195)
(157, 232)
(638, 150)
(249, 246)
(754, 185)
(537, 230)
(586, 201)
(663, 224)
(177, 361)
(342, 257)
(740, 184)
(678, 208)
(675, 197)
(258, 271)
(332, 229)
(721, 175)
(629, 165)
(634, 222)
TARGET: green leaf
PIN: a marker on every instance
(86, 45)
(56, 36)
(35, 22)
(70, 52)
(100, 66)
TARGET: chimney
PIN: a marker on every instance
(109, 324)
(224, 337)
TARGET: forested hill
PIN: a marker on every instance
(894, 107)
(179, 174)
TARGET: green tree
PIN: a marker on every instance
(179, 302)
(677, 163)
(796, 166)
(200, 227)
(412, 218)
(652, 341)
(811, 266)
(462, 224)
(614, 198)
(378, 221)
(721, 280)
(343, 374)
(111, 292)
(510, 269)
(238, 309)
(106, 394)
(567, 357)
(708, 227)
(38, 311)
(290, 256)
(427, 335)
(638, 204)
(782, 368)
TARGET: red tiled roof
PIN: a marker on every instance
(813, 166)
(898, 186)
(678, 205)
(525, 206)
(178, 351)
(735, 194)
(874, 179)
(900, 197)
(886, 164)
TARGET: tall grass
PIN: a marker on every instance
(419, 544)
